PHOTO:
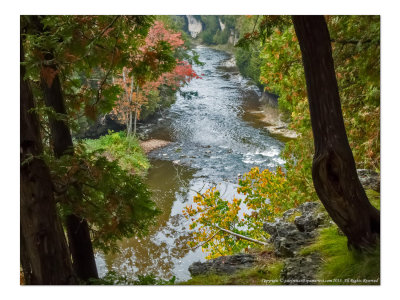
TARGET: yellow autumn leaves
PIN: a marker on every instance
(265, 196)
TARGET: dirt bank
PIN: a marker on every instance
(272, 119)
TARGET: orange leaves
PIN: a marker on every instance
(48, 75)
(158, 32)
(148, 71)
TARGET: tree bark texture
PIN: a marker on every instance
(45, 258)
(78, 230)
(334, 170)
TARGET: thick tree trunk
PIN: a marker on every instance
(81, 247)
(78, 230)
(334, 171)
(45, 258)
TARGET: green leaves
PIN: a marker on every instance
(115, 202)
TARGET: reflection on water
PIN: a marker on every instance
(214, 139)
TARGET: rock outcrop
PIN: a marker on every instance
(223, 265)
(369, 179)
(269, 99)
(300, 270)
(296, 229)
(194, 26)
(101, 127)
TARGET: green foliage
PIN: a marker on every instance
(356, 55)
(113, 278)
(123, 149)
(101, 181)
(211, 26)
(356, 52)
(342, 265)
(282, 73)
(115, 202)
(249, 63)
(87, 51)
(221, 36)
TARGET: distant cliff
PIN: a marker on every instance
(194, 26)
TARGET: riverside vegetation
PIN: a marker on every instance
(129, 67)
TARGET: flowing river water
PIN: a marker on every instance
(216, 135)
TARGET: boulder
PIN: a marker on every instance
(300, 270)
(287, 237)
(369, 179)
(100, 127)
(309, 220)
(223, 265)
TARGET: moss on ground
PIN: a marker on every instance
(340, 265)
(374, 197)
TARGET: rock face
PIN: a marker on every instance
(194, 26)
(297, 228)
(288, 237)
(269, 99)
(223, 265)
(233, 38)
(300, 270)
(369, 179)
(101, 127)
(221, 25)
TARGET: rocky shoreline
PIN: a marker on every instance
(297, 228)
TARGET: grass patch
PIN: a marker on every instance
(126, 150)
(374, 197)
(340, 265)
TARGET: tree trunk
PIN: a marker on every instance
(81, 247)
(334, 170)
(136, 110)
(129, 131)
(45, 258)
(78, 230)
(134, 122)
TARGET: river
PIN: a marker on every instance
(216, 135)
